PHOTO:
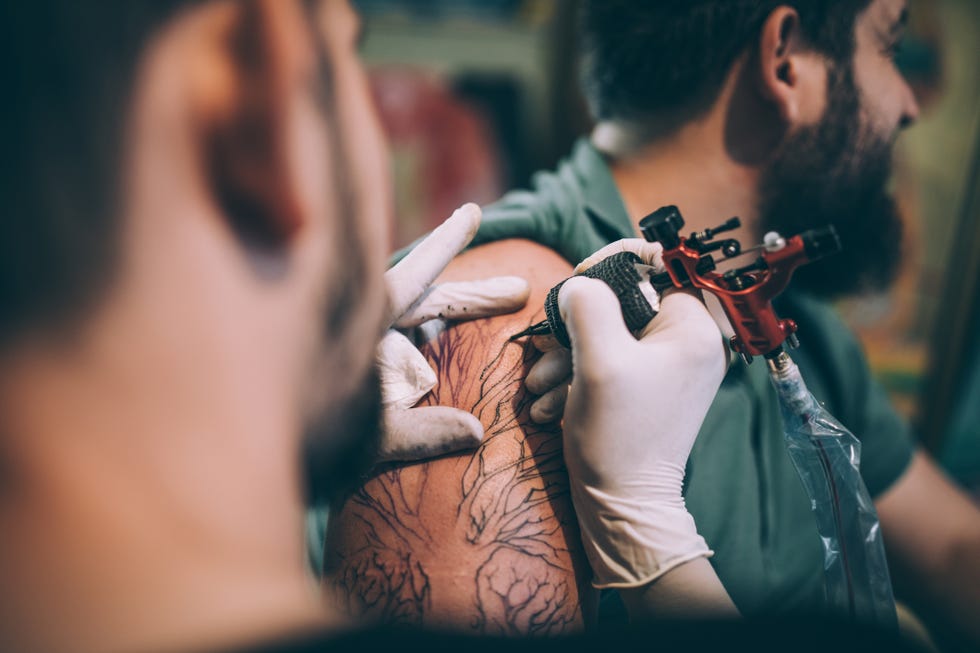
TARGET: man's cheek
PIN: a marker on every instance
(880, 112)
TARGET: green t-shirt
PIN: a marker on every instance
(741, 486)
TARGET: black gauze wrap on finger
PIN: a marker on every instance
(619, 273)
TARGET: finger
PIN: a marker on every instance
(420, 433)
(649, 253)
(405, 375)
(466, 300)
(689, 327)
(718, 315)
(551, 370)
(412, 276)
(594, 321)
(677, 308)
(427, 331)
(550, 406)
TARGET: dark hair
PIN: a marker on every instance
(644, 59)
(67, 69)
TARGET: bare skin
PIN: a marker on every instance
(486, 541)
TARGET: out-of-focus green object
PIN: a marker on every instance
(951, 417)
(960, 454)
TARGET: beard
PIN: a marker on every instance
(340, 444)
(837, 173)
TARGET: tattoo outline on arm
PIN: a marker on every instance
(509, 532)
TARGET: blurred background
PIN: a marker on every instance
(476, 95)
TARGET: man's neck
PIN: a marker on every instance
(689, 169)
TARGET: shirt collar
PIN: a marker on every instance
(599, 191)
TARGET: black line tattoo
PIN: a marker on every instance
(501, 555)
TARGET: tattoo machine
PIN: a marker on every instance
(825, 454)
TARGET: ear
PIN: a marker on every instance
(780, 64)
(244, 139)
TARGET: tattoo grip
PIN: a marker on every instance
(620, 273)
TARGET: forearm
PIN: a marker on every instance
(962, 586)
(932, 535)
(947, 596)
(689, 591)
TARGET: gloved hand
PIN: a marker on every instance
(551, 373)
(406, 377)
(633, 412)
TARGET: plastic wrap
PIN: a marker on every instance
(827, 457)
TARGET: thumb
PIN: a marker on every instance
(594, 320)
(685, 324)
(683, 315)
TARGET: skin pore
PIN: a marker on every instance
(156, 500)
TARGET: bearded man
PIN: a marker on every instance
(783, 113)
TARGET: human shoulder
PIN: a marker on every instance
(534, 261)
(482, 541)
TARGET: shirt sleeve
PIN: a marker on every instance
(516, 215)
(548, 214)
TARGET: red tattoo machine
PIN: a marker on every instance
(745, 293)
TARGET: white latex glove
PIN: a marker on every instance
(406, 377)
(551, 373)
(633, 412)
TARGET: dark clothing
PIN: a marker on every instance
(810, 635)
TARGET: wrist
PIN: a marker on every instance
(632, 540)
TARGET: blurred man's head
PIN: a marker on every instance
(653, 68)
(214, 136)
(191, 257)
